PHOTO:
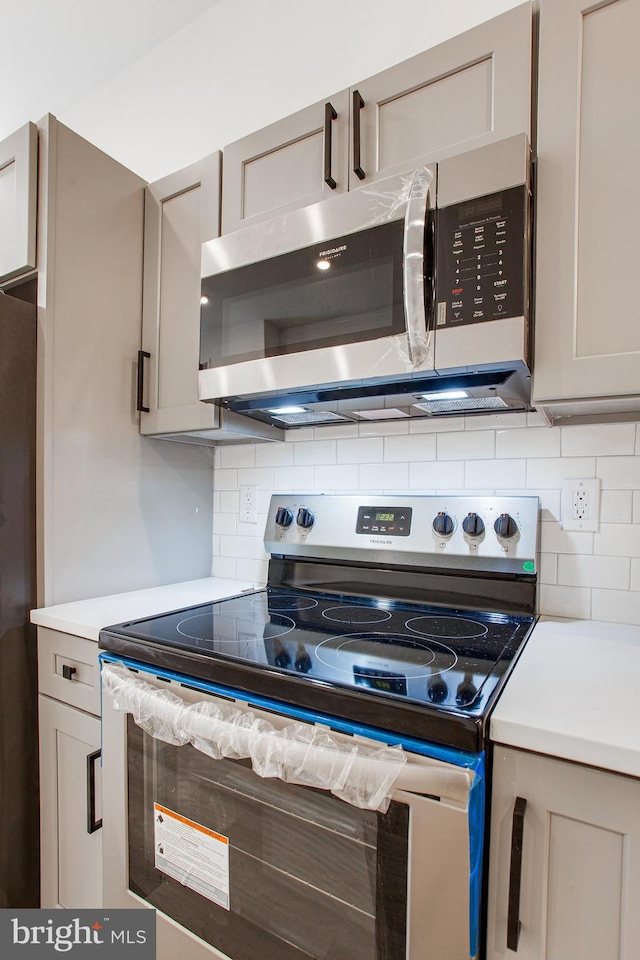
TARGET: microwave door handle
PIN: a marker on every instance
(413, 274)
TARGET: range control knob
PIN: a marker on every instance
(473, 525)
(443, 524)
(284, 517)
(505, 526)
(305, 518)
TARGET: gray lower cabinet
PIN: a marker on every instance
(569, 891)
(458, 95)
(588, 246)
(18, 197)
(70, 772)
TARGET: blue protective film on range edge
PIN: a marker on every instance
(471, 761)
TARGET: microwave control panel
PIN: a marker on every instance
(482, 248)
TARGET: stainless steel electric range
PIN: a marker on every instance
(389, 623)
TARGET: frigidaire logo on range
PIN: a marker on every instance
(374, 540)
(333, 250)
(114, 933)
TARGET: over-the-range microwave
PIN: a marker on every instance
(408, 297)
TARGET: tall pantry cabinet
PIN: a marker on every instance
(117, 511)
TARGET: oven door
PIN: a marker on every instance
(334, 293)
(246, 867)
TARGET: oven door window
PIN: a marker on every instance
(345, 291)
(307, 875)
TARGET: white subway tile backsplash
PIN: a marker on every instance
(616, 506)
(470, 445)
(565, 601)
(548, 572)
(318, 451)
(274, 454)
(530, 442)
(546, 472)
(236, 547)
(495, 474)
(385, 476)
(553, 539)
(593, 441)
(361, 450)
(617, 540)
(225, 523)
(410, 448)
(435, 475)
(608, 572)
(382, 429)
(580, 574)
(229, 502)
(619, 473)
(292, 479)
(343, 476)
(237, 455)
(494, 421)
(616, 606)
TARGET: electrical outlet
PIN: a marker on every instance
(248, 503)
(581, 504)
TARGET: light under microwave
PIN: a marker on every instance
(404, 298)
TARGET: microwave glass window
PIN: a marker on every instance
(343, 291)
(306, 876)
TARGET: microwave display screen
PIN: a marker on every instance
(482, 247)
(347, 290)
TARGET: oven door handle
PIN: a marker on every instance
(414, 269)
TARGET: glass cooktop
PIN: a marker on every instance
(452, 660)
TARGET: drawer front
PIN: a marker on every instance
(68, 669)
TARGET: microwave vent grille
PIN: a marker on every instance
(462, 406)
(308, 416)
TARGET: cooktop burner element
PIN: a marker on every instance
(415, 634)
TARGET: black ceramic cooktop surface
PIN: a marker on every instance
(379, 652)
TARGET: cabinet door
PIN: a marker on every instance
(18, 192)
(461, 94)
(181, 212)
(282, 167)
(580, 861)
(588, 245)
(71, 856)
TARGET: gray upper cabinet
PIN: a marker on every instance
(461, 94)
(181, 211)
(283, 166)
(18, 196)
(458, 95)
(587, 359)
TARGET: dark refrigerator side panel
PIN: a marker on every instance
(19, 819)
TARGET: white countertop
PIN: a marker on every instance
(574, 695)
(85, 618)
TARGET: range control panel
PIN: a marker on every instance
(484, 533)
(481, 254)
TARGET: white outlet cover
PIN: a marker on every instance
(591, 487)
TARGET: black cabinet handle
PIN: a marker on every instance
(329, 116)
(68, 672)
(515, 874)
(358, 104)
(140, 403)
(92, 823)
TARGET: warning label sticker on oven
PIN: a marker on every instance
(192, 854)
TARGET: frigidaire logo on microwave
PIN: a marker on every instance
(332, 251)
(82, 933)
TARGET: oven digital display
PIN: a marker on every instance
(392, 521)
(380, 680)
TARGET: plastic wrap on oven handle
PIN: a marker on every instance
(299, 753)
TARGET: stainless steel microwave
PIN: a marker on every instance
(405, 298)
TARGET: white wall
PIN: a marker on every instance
(584, 575)
(245, 63)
